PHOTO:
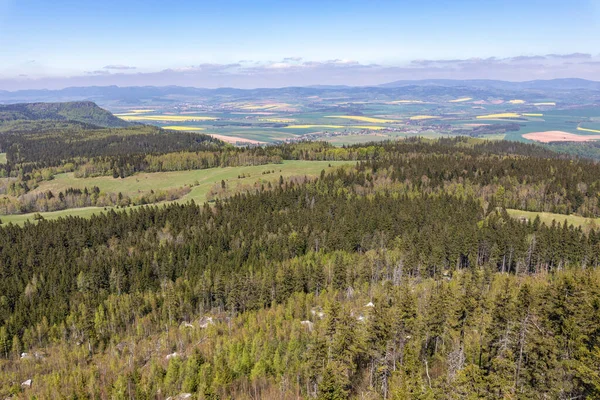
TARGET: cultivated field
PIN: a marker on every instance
(461, 100)
(364, 119)
(422, 117)
(559, 136)
(588, 130)
(499, 116)
(183, 128)
(346, 120)
(165, 118)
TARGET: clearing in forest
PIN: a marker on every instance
(547, 218)
(202, 181)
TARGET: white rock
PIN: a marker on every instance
(370, 304)
(308, 324)
(27, 383)
(169, 356)
(180, 396)
(205, 322)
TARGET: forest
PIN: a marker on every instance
(400, 276)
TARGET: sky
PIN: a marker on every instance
(266, 43)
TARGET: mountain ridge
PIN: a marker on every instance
(85, 112)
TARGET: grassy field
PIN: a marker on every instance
(203, 180)
(364, 119)
(547, 218)
(2, 158)
(354, 139)
(167, 118)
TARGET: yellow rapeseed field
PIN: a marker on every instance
(588, 130)
(496, 116)
(532, 115)
(516, 101)
(183, 128)
(461, 100)
(168, 118)
(420, 117)
(363, 119)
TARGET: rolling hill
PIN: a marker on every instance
(85, 112)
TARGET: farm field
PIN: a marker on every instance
(346, 120)
(547, 218)
(353, 139)
(559, 136)
(588, 130)
(168, 118)
(2, 158)
(183, 128)
(201, 180)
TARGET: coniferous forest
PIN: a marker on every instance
(400, 276)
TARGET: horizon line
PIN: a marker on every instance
(304, 86)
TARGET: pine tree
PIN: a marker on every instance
(334, 385)
(5, 344)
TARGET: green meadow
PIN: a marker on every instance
(547, 218)
(202, 181)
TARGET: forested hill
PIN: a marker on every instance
(402, 276)
(85, 112)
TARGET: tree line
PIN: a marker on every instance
(347, 285)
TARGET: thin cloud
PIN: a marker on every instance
(119, 67)
(97, 72)
(571, 56)
(527, 58)
(330, 72)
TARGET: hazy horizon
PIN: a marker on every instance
(289, 86)
(272, 44)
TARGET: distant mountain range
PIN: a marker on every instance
(558, 84)
(115, 95)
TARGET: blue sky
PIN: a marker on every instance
(277, 43)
